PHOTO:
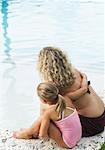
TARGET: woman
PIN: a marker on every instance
(54, 67)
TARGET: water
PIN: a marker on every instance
(76, 26)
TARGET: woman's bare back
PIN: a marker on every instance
(89, 105)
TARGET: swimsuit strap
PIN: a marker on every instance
(63, 112)
(70, 108)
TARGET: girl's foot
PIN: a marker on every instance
(22, 134)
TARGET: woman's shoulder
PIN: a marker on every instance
(75, 71)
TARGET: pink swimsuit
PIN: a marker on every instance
(70, 128)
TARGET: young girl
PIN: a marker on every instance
(72, 84)
(65, 118)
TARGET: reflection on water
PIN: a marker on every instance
(7, 40)
(29, 25)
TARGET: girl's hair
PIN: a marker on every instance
(50, 93)
(54, 66)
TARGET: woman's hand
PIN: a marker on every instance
(84, 82)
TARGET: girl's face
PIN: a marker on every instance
(45, 101)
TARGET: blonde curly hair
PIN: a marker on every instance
(54, 66)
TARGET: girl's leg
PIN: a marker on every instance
(34, 129)
(48, 128)
(56, 135)
(27, 133)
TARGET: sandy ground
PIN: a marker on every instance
(7, 142)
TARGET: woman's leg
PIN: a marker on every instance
(56, 135)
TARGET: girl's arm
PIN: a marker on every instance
(43, 108)
(48, 115)
(45, 121)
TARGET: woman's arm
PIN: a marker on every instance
(81, 91)
(84, 82)
(77, 94)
